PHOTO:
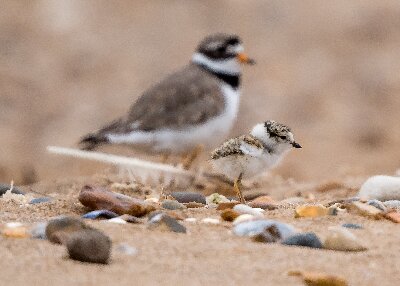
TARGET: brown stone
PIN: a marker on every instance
(319, 279)
(393, 216)
(58, 229)
(264, 206)
(311, 211)
(264, 199)
(229, 215)
(99, 198)
(228, 205)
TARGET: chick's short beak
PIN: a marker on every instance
(243, 58)
(296, 145)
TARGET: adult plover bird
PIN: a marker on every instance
(248, 155)
(195, 106)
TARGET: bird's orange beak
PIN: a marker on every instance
(243, 58)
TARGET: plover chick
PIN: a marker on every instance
(248, 155)
(194, 106)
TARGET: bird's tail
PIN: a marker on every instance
(92, 141)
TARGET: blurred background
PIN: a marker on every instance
(328, 69)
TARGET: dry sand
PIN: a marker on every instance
(206, 255)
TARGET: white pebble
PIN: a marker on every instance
(190, 219)
(14, 224)
(383, 188)
(245, 209)
(117, 220)
(243, 218)
(210, 220)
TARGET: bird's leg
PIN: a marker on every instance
(189, 158)
(236, 186)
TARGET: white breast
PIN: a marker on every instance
(208, 134)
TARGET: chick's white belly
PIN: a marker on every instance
(232, 166)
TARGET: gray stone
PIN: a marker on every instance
(38, 231)
(40, 200)
(89, 245)
(308, 239)
(164, 222)
(172, 205)
(100, 214)
(392, 204)
(58, 229)
(378, 204)
(187, 197)
(352, 225)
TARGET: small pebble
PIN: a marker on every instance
(89, 245)
(341, 239)
(245, 209)
(58, 229)
(5, 187)
(215, 199)
(188, 197)
(194, 205)
(352, 225)
(190, 219)
(151, 200)
(378, 204)
(243, 218)
(311, 211)
(308, 239)
(117, 220)
(172, 205)
(393, 216)
(392, 204)
(383, 188)
(100, 214)
(263, 202)
(251, 228)
(227, 205)
(15, 230)
(38, 231)
(130, 218)
(364, 210)
(209, 220)
(319, 279)
(162, 221)
(126, 249)
(40, 200)
(229, 215)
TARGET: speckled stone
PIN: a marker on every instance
(308, 239)
(378, 204)
(89, 245)
(187, 197)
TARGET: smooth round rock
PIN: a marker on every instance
(5, 187)
(38, 231)
(245, 209)
(172, 205)
(383, 188)
(229, 215)
(308, 239)
(254, 227)
(392, 204)
(188, 197)
(58, 229)
(89, 245)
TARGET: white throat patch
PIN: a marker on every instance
(228, 66)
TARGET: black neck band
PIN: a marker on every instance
(232, 80)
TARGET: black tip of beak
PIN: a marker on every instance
(251, 62)
(296, 145)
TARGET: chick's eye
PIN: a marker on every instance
(282, 137)
(221, 49)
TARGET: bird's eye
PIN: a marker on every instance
(221, 49)
(282, 137)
